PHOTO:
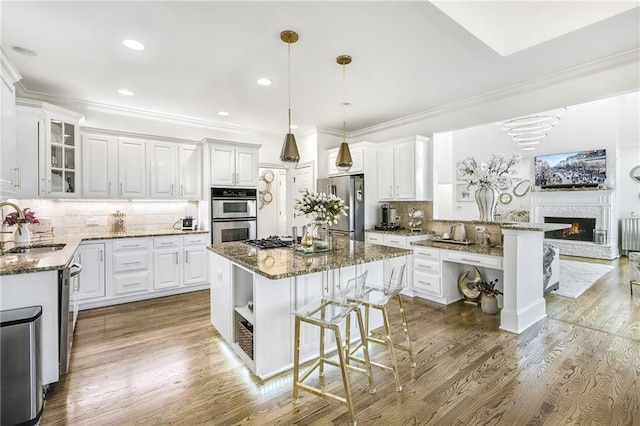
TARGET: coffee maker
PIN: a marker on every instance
(386, 215)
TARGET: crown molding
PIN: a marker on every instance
(9, 67)
(142, 114)
(589, 69)
(119, 133)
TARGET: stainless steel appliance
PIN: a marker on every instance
(389, 215)
(68, 288)
(233, 214)
(351, 190)
(189, 223)
(386, 214)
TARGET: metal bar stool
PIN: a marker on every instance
(328, 313)
(376, 297)
(634, 269)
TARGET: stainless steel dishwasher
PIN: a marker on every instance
(68, 281)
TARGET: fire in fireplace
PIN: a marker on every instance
(581, 228)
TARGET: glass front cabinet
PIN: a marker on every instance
(60, 154)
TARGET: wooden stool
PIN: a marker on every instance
(375, 297)
(328, 313)
(634, 269)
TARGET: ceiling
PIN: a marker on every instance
(205, 57)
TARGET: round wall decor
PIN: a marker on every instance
(635, 173)
(521, 189)
(505, 198)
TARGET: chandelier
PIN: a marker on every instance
(529, 131)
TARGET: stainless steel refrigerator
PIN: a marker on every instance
(351, 190)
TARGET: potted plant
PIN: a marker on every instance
(326, 209)
(488, 293)
(22, 234)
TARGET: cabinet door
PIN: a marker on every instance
(92, 277)
(385, 173)
(195, 265)
(246, 167)
(221, 296)
(223, 165)
(404, 171)
(62, 158)
(8, 141)
(166, 268)
(131, 168)
(161, 158)
(189, 172)
(99, 172)
(331, 163)
(30, 135)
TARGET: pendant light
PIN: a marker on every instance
(289, 154)
(344, 160)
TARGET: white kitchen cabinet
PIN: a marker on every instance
(9, 169)
(92, 278)
(221, 296)
(132, 170)
(30, 137)
(234, 165)
(131, 266)
(427, 274)
(179, 261)
(357, 155)
(99, 166)
(175, 170)
(404, 170)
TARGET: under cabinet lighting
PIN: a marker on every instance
(133, 44)
(125, 92)
(223, 113)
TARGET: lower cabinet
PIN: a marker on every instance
(129, 269)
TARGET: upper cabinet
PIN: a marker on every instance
(10, 173)
(234, 164)
(357, 155)
(404, 170)
(175, 170)
(55, 131)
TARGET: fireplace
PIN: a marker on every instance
(581, 228)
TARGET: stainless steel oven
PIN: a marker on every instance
(233, 214)
(68, 311)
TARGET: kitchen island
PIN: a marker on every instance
(254, 292)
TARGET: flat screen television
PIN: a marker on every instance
(581, 169)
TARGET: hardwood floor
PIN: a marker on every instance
(162, 362)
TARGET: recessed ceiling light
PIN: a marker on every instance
(125, 92)
(223, 113)
(264, 82)
(24, 51)
(133, 44)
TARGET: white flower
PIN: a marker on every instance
(496, 171)
(325, 208)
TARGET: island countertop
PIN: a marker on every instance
(281, 263)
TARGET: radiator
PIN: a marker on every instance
(631, 234)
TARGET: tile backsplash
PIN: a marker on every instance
(75, 217)
(403, 208)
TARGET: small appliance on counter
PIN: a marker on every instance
(388, 219)
(187, 223)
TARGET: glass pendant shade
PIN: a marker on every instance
(344, 160)
(289, 154)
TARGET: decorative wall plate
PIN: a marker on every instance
(467, 285)
(521, 189)
(263, 185)
(635, 173)
(503, 186)
(505, 198)
(268, 175)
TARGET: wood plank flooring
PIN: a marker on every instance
(162, 362)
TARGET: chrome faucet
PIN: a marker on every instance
(18, 210)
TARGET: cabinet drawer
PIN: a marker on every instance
(420, 265)
(132, 283)
(196, 239)
(132, 244)
(426, 253)
(494, 262)
(167, 242)
(124, 262)
(395, 241)
(374, 238)
(427, 283)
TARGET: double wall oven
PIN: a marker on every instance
(233, 214)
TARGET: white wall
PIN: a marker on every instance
(628, 194)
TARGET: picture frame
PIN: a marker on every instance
(463, 194)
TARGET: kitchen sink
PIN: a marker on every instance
(35, 249)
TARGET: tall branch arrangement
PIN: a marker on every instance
(495, 172)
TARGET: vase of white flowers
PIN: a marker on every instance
(487, 176)
(325, 210)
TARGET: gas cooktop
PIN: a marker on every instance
(270, 242)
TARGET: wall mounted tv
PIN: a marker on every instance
(581, 169)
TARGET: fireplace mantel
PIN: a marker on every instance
(596, 204)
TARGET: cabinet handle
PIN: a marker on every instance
(50, 186)
(109, 188)
(425, 266)
(19, 179)
(176, 258)
(186, 257)
(43, 187)
(166, 243)
(101, 256)
(422, 282)
(172, 190)
(471, 260)
(182, 190)
(130, 284)
(121, 191)
(130, 245)
(131, 263)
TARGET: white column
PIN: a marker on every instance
(524, 302)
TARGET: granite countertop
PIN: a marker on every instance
(527, 226)
(283, 262)
(403, 232)
(495, 250)
(12, 264)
